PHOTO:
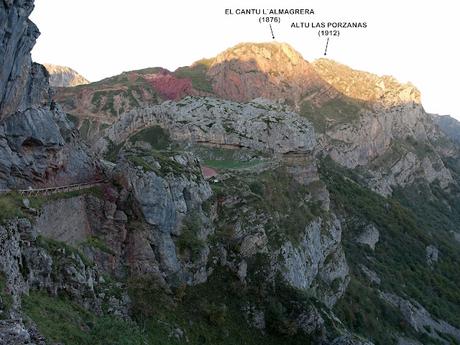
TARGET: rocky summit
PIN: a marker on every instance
(62, 76)
(249, 198)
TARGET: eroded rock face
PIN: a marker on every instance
(38, 145)
(420, 319)
(13, 332)
(393, 137)
(369, 236)
(380, 90)
(259, 125)
(29, 262)
(65, 220)
(432, 255)
(449, 125)
(20, 80)
(172, 207)
(317, 261)
(307, 257)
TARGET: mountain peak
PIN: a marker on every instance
(62, 76)
(270, 51)
(364, 85)
(269, 70)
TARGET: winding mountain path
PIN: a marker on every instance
(56, 189)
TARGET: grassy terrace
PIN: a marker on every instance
(231, 164)
(11, 205)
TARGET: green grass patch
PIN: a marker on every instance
(10, 206)
(231, 164)
(61, 250)
(96, 242)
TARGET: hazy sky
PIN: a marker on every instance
(412, 40)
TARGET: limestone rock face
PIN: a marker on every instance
(171, 206)
(369, 236)
(370, 275)
(350, 340)
(449, 125)
(432, 255)
(29, 262)
(364, 86)
(420, 319)
(13, 332)
(392, 137)
(312, 260)
(65, 220)
(303, 263)
(38, 145)
(269, 70)
(62, 76)
(259, 125)
(20, 81)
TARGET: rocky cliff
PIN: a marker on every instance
(449, 125)
(387, 132)
(39, 146)
(62, 76)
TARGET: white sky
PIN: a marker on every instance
(412, 40)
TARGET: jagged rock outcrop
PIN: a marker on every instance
(38, 143)
(449, 125)
(391, 135)
(369, 236)
(317, 261)
(307, 254)
(172, 244)
(432, 255)
(420, 319)
(259, 125)
(62, 76)
(21, 82)
(376, 90)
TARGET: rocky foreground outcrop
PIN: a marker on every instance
(39, 146)
(62, 76)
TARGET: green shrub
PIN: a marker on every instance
(155, 136)
(10, 206)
